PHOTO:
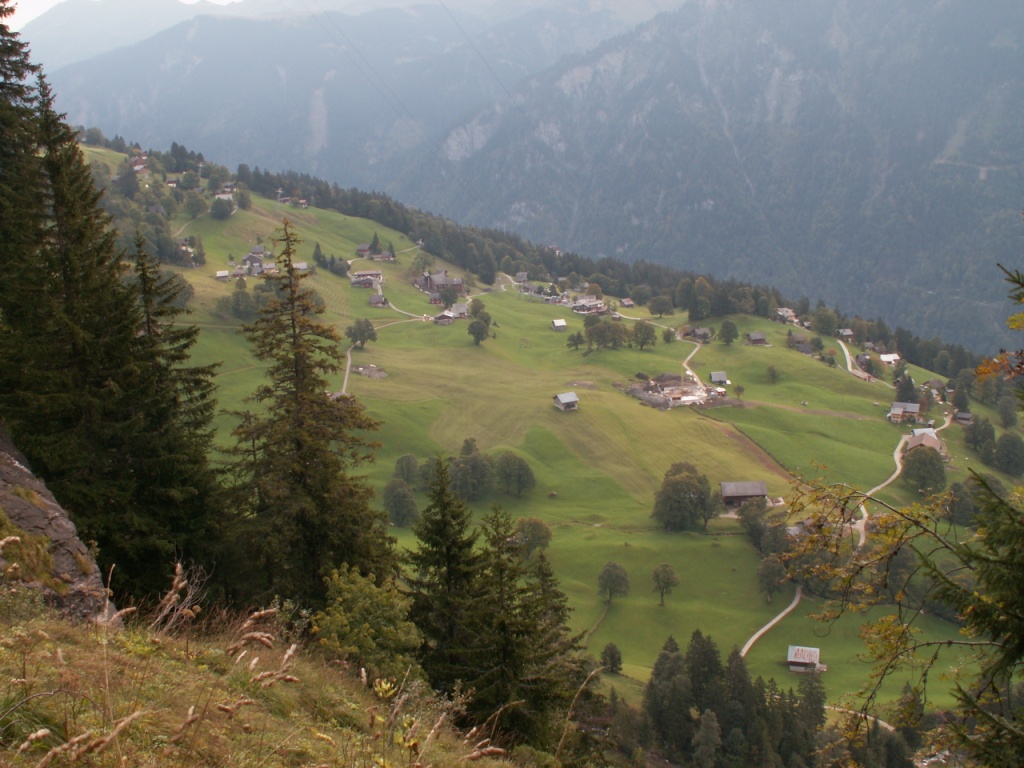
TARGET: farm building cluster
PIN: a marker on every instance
(669, 390)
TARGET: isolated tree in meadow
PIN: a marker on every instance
(660, 306)
(644, 334)
(399, 503)
(613, 581)
(728, 333)
(375, 244)
(195, 205)
(611, 657)
(924, 470)
(472, 475)
(575, 340)
(1007, 408)
(407, 469)
(668, 335)
(221, 209)
(478, 330)
(665, 579)
(1008, 454)
(533, 533)
(738, 390)
(513, 474)
(773, 374)
(300, 513)
(684, 498)
(771, 575)
(476, 306)
(360, 332)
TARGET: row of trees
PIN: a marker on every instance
(605, 333)
(474, 474)
(613, 581)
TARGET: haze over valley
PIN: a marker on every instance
(867, 154)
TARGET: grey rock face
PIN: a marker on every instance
(76, 588)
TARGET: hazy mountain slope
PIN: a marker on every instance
(340, 96)
(77, 30)
(869, 153)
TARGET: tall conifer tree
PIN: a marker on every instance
(20, 190)
(442, 575)
(303, 515)
(172, 402)
(69, 338)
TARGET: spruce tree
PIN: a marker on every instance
(68, 364)
(667, 701)
(301, 513)
(20, 191)
(175, 489)
(556, 668)
(91, 379)
(527, 662)
(442, 577)
(500, 624)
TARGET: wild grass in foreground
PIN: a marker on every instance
(181, 689)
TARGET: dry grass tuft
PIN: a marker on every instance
(151, 694)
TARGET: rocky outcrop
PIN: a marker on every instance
(48, 555)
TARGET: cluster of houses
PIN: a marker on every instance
(258, 262)
(669, 390)
(364, 251)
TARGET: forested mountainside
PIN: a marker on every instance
(867, 152)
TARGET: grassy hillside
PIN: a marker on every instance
(597, 469)
(230, 691)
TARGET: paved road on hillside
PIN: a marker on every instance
(786, 611)
(860, 527)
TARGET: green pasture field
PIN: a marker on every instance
(842, 652)
(107, 158)
(598, 468)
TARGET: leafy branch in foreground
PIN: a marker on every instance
(917, 559)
